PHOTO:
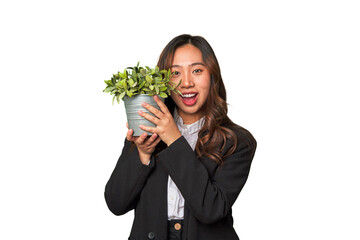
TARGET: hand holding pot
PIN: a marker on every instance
(166, 126)
(146, 146)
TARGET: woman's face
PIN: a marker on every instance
(188, 66)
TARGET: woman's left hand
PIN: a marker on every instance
(166, 127)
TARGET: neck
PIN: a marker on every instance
(190, 118)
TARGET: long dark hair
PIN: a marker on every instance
(217, 128)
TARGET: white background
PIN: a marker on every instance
(290, 68)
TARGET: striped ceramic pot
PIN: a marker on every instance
(132, 106)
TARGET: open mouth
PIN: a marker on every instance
(189, 99)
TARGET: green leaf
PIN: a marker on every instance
(157, 89)
(119, 85)
(163, 95)
(141, 84)
(122, 95)
(151, 87)
(113, 91)
(129, 93)
(178, 92)
(131, 81)
(178, 83)
(124, 84)
(169, 74)
(122, 75)
(149, 79)
(107, 89)
(108, 82)
(116, 76)
(113, 80)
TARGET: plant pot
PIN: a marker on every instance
(132, 106)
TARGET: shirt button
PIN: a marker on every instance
(177, 226)
(151, 235)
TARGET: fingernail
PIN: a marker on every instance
(144, 104)
(140, 112)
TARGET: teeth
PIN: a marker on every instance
(189, 95)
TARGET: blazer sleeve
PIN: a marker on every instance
(127, 180)
(208, 199)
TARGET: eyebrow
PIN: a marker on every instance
(193, 64)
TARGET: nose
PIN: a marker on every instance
(187, 81)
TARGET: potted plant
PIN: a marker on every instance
(136, 85)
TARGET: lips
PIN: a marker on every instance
(189, 99)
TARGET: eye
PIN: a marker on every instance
(176, 73)
(197, 71)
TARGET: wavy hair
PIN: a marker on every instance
(217, 128)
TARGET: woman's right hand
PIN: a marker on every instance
(146, 146)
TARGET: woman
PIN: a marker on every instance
(183, 180)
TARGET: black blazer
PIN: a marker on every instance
(209, 189)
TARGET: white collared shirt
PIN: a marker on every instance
(176, 201)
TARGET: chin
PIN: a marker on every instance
(189, 110)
